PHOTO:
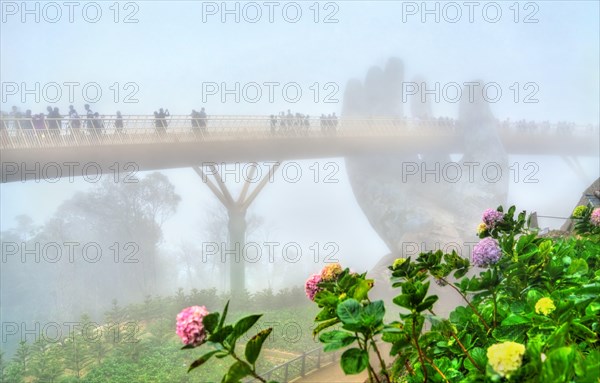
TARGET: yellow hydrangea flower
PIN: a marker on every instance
(544, 306)
(505, 358)
(331, 271)
(481, 228)
(398, 262)
(579, 210)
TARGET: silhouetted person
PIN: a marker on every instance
(162, 115)
(90, 116)
(306, 124)
(282, 122)
(158, 123)
(50, 122)
(39, 124)
(334, 121)
(98, 126)
(15, 113)
(119, 123)
(273, 120)
(195, 121)
(202, 115)
(57, 121)
(27, 124)
(74, 121)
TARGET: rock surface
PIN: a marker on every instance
(411, 213)
(591, 190)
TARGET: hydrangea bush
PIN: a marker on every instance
(530, 312)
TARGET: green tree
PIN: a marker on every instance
(76, 354)
(22, 356)
(46, 363)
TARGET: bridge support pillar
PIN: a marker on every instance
(237, 241)
(236, 210)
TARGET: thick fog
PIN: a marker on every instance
(487, 74)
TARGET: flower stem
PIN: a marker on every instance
(495, 308)
(414, 331)
(370, 369)
(381, 362)
(437, 369)
(468, 303)
(252, 370)
(462, 347)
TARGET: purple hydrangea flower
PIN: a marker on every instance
(310, 287)
(491, 217)
(595, 217)
(487, 252)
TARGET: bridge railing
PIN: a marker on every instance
(111, 130)
(114, 130)
(300, 366)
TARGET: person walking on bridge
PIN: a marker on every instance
(202, 121)
(119, 123)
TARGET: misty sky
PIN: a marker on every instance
(170, 52)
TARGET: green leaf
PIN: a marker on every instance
(223, 317)
(557, 366)
(373, 313)
(354, 361)
(244, 324)
(514, 319)
(403, 300)
(326, 298)
(578, 266)
(362, 289)
(427, 303)
(211, 322)
(325, 314)
(323, 325)
(254, 345)
(336, 339)
(349, 311)
(236, 372)
(583, 332)
(221, 334)
(201, 360)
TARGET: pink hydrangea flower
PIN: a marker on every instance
(190, 327)
(595, 217)
(310, 287)
(491, 217)
(487, 252)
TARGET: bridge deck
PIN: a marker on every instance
(247, 139)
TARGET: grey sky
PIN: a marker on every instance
(170, 53)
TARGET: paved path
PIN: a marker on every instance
(333, 373)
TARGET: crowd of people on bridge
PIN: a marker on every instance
(524, 126)
(54, 123)
(299, 123)
(95, 126)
